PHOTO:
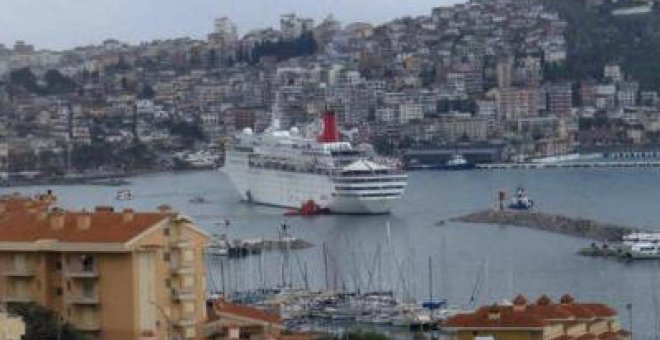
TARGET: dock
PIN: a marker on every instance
(222, 246)
(578, 227)
(577, 164)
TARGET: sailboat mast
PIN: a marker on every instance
(430, 280)
(325, 266)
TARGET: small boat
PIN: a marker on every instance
(198, 200)
(309, 208)
(458, 162)
(521, 201)
(641, 246)
(124, 195)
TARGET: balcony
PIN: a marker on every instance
(87, 326)
(18, 272)
(17, 298)
(182, 294)
(182, 267)
(181, 242)
(186, 320)
(81, 272)
(84, 300)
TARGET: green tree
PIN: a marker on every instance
(43, 324)
(146, 92)
(24, 78)
(57, 83)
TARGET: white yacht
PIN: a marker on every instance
(641, 245)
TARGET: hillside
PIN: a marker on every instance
(595, 37)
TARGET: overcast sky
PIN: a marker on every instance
(59, 24)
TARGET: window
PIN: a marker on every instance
(58, 265)
(58, 291)
(166, 231)
(167, 256)
(88, 288)
(87, 263)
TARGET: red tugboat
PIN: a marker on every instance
(309, 208)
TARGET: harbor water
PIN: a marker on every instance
(472, 265)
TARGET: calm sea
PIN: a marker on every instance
(471, 265)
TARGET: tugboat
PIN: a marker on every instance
(521, 201)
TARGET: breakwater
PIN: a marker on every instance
(578, 227)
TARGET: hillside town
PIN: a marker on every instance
(483, 74)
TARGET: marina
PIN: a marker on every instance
(575, 164)
(473, 265)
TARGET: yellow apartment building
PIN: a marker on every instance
(112, 274)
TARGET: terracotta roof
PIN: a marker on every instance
(16, 202)
(599, 309)
(507, 318)
(579, 311)
(587, 336)
(223, 306)
(535, 315)
(104, 227)
(550, 312)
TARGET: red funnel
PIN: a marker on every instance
(330, 133)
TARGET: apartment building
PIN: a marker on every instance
(112, 274)
(539, 320)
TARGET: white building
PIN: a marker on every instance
(410, 111)
(226, 29)
(293, 27)
(613, 72)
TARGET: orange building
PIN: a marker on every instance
(229, 321)
(542, 320)
(112, 274)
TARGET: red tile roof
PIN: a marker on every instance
(507, 318)
(105, 227)
(223, 306)
(599, 309)
(564, 337)
(587, 337)
(15, 202)
(532, 316)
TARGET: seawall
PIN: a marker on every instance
(578, 227)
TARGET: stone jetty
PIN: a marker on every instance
(578, 227)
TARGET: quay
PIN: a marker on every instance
(578, 227)
(577, 164)
(221, 246)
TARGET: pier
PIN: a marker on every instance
(222, 246)
(577, 164)
(578, 227)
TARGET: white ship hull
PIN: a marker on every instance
(293, 189)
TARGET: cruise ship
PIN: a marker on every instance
(288, 169)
